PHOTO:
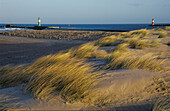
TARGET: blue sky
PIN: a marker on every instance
(84, 11)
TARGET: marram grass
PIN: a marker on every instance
(69, 76)
(107, 41)
(119, 60)
(162, 34)
(142, 33)
(162, 104)
(12, 76)
(83, 51)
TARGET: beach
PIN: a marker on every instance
(127, 75)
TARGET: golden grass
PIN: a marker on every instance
(122, 47)
(71, 77)
(119, 60)
(167, 28)
(162, 34)
(12, 76)
(137, 43)
(67, 73)
(5, 104)
(142, 33)
(107, 41)
(83, 51)
(162, 104)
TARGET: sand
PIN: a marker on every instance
(128, 89)
(20, 50)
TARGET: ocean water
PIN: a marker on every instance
(122, 27)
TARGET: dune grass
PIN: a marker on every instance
(162, 104)
(119, 60)
(11, 76)
(137, 43)
(142, 33)
(107, 41)
(72, 78)
(122, 47)
(162, 34)
(68, 75)
(83, 51)
(167, 28)
(6, 104)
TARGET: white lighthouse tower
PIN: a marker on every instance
(153, 22)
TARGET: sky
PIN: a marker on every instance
(84, 11)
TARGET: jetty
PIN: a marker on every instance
(31, 27)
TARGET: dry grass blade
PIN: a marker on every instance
(11, 76)
(162, 34)
(83, 51)
(162, 104)
(107, 41)
(71, 77)
(119, 60)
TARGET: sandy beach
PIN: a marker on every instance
(20, 50)
(122, 87)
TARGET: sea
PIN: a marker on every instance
(110, 27)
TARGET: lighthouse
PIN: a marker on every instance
(39, 21)
(153, 22)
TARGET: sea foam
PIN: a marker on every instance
(13, 29)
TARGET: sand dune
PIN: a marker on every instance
(128, 86)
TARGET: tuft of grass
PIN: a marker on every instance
(6, 105)
(141, 44)
(162, 104)
(83, 51)
(107, 41)
(12, 76)
(72, 78)
(98, 54)
(155, 43)
(120, 60)
(162, 35)
(122, 47)
(142, 33)
(167, 28)
(136, 43)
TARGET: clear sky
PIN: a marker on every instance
(84, 11)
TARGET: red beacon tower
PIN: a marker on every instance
(153, 22)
